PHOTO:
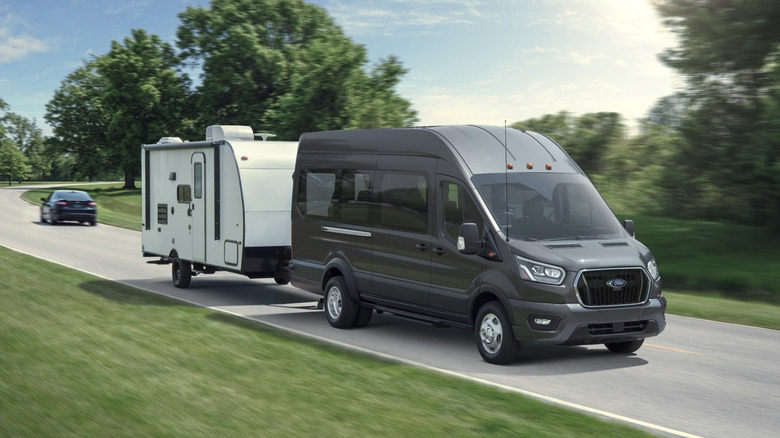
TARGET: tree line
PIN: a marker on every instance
(709, 151)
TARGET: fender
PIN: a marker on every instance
(338, 266)
(484, 294)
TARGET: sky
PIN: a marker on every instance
(468, 61)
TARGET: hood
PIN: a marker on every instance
(574, 255)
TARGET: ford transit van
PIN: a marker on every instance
(493, 229)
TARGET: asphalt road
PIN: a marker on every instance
(698, 378)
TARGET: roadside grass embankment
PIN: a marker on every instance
(82, 356)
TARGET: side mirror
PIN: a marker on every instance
(628, 224)
(468, 239)
(43, 199)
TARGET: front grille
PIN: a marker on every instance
(617, 327)
(593, 288)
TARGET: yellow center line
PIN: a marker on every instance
(673, 349)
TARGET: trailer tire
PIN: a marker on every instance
(282, 280)
(340, 309)
(181, 271)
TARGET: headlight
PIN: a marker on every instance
(540, 272)
(652, 268)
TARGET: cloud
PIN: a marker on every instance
(13, 48)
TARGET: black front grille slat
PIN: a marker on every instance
(593, 287)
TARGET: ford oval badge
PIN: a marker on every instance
(617, 283)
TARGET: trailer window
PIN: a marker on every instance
(198, 180)
(183, 193)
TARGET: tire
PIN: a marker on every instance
(340, 309)
(364, 315)
(181, 271)
(281, 280)
(493, 332)
(43, 221)
(624, 347)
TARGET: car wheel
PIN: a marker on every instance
(624, 347)
(340, 309)
(493, 332)
(181, 271)
(43, 220)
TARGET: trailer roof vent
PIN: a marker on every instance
(165, 140)
(229, 132)
(264, 135)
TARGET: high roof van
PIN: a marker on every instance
(493, 229)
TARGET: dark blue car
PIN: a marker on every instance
(69, 205)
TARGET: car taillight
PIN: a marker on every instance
(62, 203)
(92, 204)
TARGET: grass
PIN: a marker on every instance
(116, 206)
(738, 261)
(90, 357)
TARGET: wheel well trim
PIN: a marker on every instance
(483, 296)
(339, 268)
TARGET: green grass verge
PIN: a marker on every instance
(82, 356)
(116, 206)
(716, 307)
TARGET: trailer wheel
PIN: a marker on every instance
(493, 332)
(625, 347)
(181, 271)
(281, 280)
(340, 309)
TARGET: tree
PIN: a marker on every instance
(144, 98)
(283, 65)
(729, 139)
(79, 120)
(13, 163)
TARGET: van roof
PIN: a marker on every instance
(479, 148)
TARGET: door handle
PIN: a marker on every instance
(422, 246)
(439, 251)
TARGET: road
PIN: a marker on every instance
(698, 378)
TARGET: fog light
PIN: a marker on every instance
(543, 322)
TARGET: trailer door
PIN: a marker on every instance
(198, 207)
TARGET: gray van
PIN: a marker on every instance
(493, 229)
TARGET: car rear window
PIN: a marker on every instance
(75, 196)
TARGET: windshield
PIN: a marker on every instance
(548, 206)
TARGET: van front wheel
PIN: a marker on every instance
(493, 332)
(340, 309)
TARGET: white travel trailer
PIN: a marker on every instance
(218, 205)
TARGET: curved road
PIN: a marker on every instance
(699, 378)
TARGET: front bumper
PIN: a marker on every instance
(572, 324)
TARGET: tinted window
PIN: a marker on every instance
(457, 208)
(341, 195)
(403, 202)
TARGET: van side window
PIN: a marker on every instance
(340, 195)
(402, 202)
(457, 207)
(315, 192)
